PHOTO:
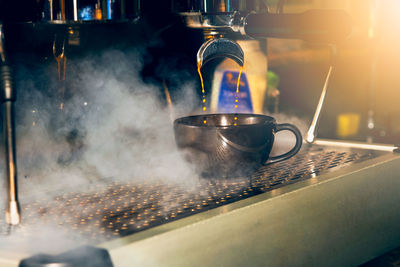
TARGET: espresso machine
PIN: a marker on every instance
(234, 223)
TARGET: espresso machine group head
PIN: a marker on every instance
(251, 19)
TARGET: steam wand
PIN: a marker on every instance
(311, 135)
(8, 97)
(312, 131)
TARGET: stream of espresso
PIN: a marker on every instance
(237, 96)
(203, 101)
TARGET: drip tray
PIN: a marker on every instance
(121, 209)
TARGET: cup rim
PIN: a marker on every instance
(183, 120)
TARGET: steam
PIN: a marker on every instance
(129, 133)
(113, 128)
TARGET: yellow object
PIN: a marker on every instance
(204, 105)
(347, 124)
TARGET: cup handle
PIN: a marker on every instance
(294, 150)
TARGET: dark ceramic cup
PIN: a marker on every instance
(220, 149)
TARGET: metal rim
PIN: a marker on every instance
(181, 121)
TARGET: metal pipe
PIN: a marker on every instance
(75, 7)
(8, 97)
(13, 211)
(360, 145)
(372, 86)
(312, 131)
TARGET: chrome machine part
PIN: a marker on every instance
(308, 220)
(223, 17)
(220, 47)
(216, 16)
(312, 131)
(357, 145)
(75, 11)
(8, 97)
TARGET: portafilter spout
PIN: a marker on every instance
(8, 97)
(220, 47)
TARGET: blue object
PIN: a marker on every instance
(227, 94)
(109, 9)
(86, 13)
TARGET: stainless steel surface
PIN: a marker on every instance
(120, 209)
(220, 47)
(216, 16)
(309, 207)
(312, 131)
(341, 218)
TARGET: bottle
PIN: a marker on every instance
(253, 81)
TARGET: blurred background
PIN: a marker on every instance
(364, 88)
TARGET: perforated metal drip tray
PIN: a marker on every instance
(122, 209)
